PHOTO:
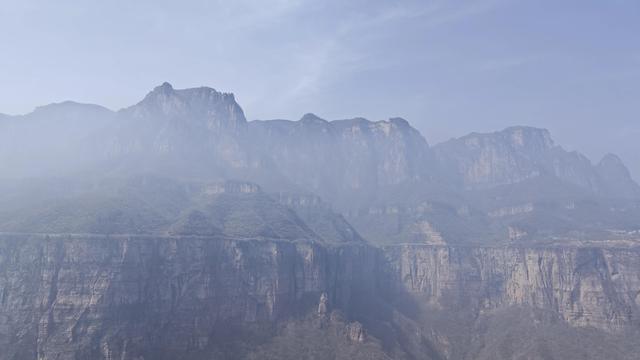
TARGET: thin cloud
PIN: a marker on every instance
(331, 55)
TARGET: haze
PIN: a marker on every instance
(319, 180)
(448, 67)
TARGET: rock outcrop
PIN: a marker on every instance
(201, 109)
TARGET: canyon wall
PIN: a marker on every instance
(151, 297)
(587, 287)
(122, 297)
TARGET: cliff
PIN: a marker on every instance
(347, 162)
(596, 287)
(101, 297)
(149, 297)
(520, 153)
(175, 229)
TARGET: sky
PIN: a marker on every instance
(448, 67)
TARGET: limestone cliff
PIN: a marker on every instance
(123, 297)
(588, 287)
(346, 162)
(521, 153)
(196, 297)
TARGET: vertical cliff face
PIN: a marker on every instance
(195, 131)
(130, 298)
(347, 162)
(203, 108)
(149, 297)
(517, 154)
(587, 287)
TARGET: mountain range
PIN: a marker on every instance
(175, 228)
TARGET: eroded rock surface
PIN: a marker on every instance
(597, 287)
(148, 297)
(124, 297)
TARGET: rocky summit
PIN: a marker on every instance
(177, 229)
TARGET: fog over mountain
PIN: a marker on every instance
(176, 228)
(450, 67)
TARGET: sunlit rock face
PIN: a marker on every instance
(587, 287)
(514, 155)
(517, 154)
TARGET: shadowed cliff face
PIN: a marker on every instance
(146, 297)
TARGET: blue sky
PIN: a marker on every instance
(449, 67)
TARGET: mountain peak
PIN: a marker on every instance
(159, 93)
(312, 118)
(399, 121)
(610, 160)
(166, 92)
(203, 105)
(617, 178)
(612, 165)
(515, 136)
(523, 136)
(164, 88)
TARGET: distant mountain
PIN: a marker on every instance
(615, 178)
(200, 108)
(194, 132)
(516, 154)
(345, 161)
(51, 139)
(175, 229)
(169, 120)
(382, 175)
